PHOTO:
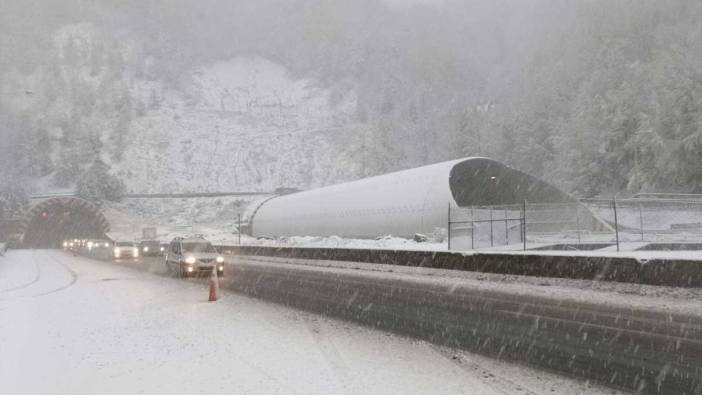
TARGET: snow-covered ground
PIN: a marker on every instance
(215, 218)
(71, 325)
(385, 242)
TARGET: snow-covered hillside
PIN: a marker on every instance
(245, 124)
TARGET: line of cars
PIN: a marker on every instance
(183, 256)
(85, 244)
(144, 248)
(116, 250)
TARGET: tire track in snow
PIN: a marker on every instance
(37, 276)
(332, 356)
(73, 274)
(497, 383)
(74, 278)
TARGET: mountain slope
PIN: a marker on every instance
(244, 124)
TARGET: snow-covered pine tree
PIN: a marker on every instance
(13, 197)
(98, 184)
(40, 150)
(124, 112)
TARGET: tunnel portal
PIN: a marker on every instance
(56, 219)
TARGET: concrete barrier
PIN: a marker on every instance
(675, 272)
(678, 273)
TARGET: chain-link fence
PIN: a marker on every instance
(583, 224)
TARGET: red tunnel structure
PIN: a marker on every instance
(53, 220)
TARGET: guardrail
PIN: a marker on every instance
(672, 196)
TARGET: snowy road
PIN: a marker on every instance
(71, 325)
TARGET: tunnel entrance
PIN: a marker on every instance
(485, 182)
(56, 219)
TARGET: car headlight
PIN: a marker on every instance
(146, 249)
(220, 259)
(136, 251)
(221, 268)
(190, 260)
(163, 249)
(116, 251)
(65, 244)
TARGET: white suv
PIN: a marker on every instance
(188, 256)
(125, 249)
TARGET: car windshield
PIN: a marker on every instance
(198, 247)
(125, 244)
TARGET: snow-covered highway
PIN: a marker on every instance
(72, 325)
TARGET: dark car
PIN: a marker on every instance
(150, 248)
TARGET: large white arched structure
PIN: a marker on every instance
(401, 203)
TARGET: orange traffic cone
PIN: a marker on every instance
(214, 285)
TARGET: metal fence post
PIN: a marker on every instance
(472, 230)
(577, 222)
(491, 230)
(524, 225)
(641, 221)
(506, 230)
(449, 226)
(521, 224)
(616, 221)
